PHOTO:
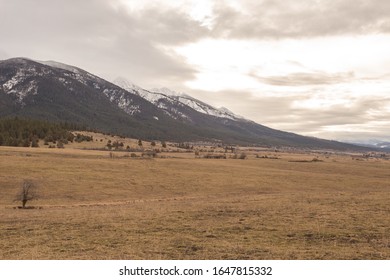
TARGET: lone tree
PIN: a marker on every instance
(27, 192)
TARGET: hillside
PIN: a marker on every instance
(57, 92)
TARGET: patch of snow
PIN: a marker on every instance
(162, 106)
(125, 84)
(228, 112)
(32, 88)
(198, 105)
(10, 84)
(122, 101)
(17, 87)
(179, 99)
(167, 91)
(152, 97)
(156, 118)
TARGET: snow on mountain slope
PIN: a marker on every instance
(76, 73)
(152, 97)
(157, 95)
(24, 76)
(22, 84)
(164, 98)
(60, 66)
(167, 103)
(66, 93)
(116, 96)
(198, 105)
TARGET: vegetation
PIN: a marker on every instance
(25, 133)
(27, 192)
(180, 207)
(81, 138)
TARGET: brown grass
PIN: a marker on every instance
(92, 206)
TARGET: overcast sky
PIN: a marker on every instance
(315, 67)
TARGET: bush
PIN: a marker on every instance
(151, 154)
(242, 156)
(215, 156)
(60, 145)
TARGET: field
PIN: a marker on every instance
(107, 205)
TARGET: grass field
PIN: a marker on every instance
(93, 206)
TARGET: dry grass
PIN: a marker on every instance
(97, 207)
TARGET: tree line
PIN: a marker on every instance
(19, 132)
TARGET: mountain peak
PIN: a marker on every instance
(167, 91)
(60, 65)
(18, 60)
(125, 83)
(59, 92)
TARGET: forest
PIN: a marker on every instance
(19, 132)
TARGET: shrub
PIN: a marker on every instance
(242, 156)
(60, 145)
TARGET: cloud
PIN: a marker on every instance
(308, 72)
(304, 79)
(102, 36)
(275, 19)
(3, 55)
(355, 117)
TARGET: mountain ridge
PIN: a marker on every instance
(66, 93)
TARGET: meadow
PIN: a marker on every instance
(95, 204)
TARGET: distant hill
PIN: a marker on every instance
(57, 92)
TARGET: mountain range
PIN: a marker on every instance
(58, 92)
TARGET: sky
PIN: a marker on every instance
(314, 67)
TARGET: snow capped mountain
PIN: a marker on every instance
(152, 97)
(117, 96)
(125, 84)
(59, 92)
(206, 109)
(198, 105)
(24, 77)
(373, 143)
(164, 101)
(161, 96)
(61, 66)
(166, 91)
(21, 83)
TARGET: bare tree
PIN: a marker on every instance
(27, 192)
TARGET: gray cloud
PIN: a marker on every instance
(101, 37)
(278, 112)
(3, 55)
(304, 79)
(306, 18)
(109, 40)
